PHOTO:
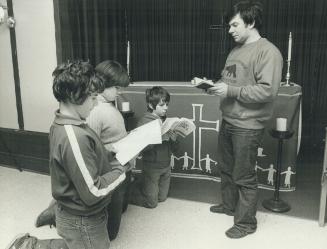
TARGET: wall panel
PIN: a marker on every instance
(36, 51)
(8, 110)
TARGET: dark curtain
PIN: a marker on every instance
(92, 30)
(173, 40)
(307, 20)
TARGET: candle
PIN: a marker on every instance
(281, 124)
(128, 56)
(289, 47)
(125, 106)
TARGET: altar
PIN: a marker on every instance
(197, 155)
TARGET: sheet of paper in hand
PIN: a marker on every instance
(202, 84)
(131, 145)
(181, 126)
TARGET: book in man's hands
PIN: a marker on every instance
(202, 83)
(181, 126)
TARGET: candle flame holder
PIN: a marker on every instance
(288, 74)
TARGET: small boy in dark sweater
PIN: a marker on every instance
(155, 180)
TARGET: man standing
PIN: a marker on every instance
(248, 86)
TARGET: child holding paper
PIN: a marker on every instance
(82, 175)
(155, 180)
(108, 123)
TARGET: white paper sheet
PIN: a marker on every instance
(131, 145)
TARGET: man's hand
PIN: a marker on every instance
(220, 89)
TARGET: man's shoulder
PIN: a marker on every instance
(265, 44)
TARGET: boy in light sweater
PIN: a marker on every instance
(107, 121)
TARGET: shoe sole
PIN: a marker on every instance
(16, 237)
(247, 233)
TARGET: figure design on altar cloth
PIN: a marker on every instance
(208, 160)
(260, 154)
(172, 161)
(186, 158)
(271, 172)
(288, 173)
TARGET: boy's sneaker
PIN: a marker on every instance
(48, 216)
(236, 233)
(220, 209)
(19, 242)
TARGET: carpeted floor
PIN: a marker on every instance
(182, 222)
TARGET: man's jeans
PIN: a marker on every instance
(238, 148)
(83, 232)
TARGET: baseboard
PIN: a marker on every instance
(25, 150)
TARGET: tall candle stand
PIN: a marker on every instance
(276, 204)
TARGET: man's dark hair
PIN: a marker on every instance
(250, 12)
(156, 94)
(112, 74)
(74, 81)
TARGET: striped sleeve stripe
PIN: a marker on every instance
(85, 173)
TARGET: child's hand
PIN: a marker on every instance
(172, 135)
(129, 166)
(132, 162)
(110, 148)
(165, 137)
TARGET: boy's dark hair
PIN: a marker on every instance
(112, 74)
(74, 81)
(154, 95)
(250, 12)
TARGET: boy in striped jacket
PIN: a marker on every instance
(82, 177)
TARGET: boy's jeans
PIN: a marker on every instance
(118, 204)
(152, 188)
(83, 232)
(239, 187)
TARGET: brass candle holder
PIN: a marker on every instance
(289, 52)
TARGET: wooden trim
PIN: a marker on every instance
(15, 68)
(24, 150)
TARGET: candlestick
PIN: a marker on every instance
(289, 47)
(289, 54)
(128, 56)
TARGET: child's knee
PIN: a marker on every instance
(151, 203)
(162, 199)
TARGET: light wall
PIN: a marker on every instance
(8, 110)
(36, 49)
(36, 52)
